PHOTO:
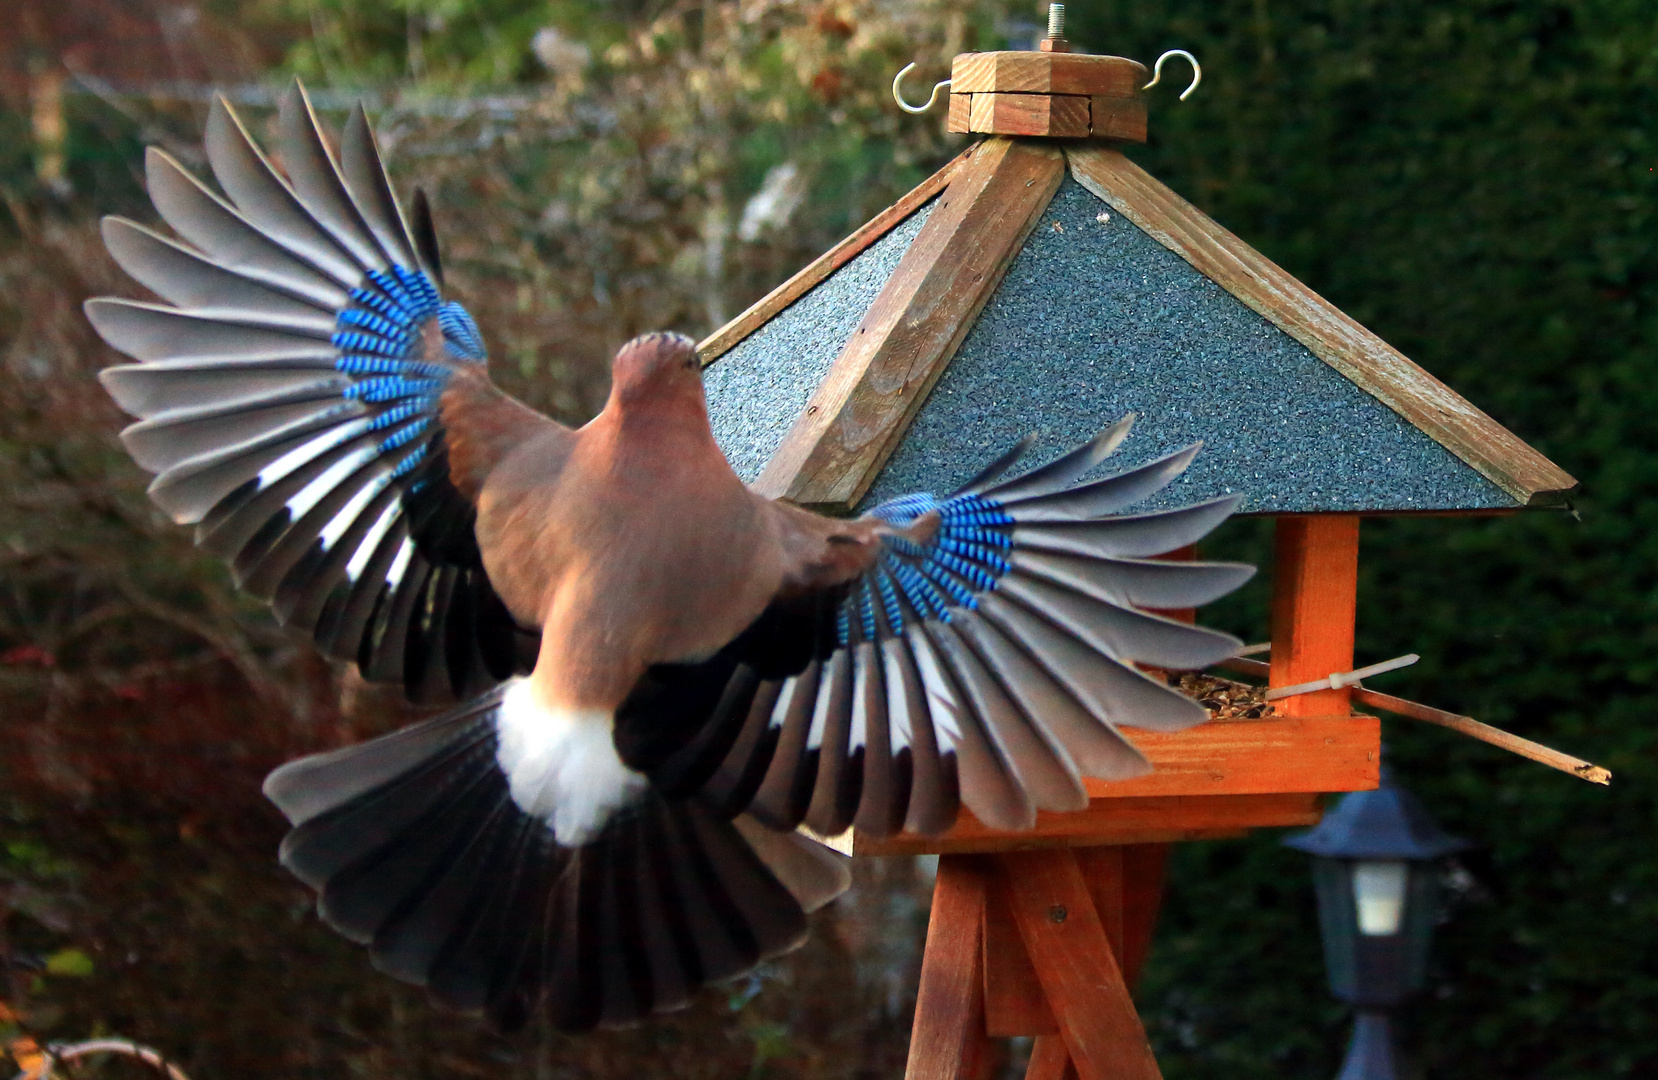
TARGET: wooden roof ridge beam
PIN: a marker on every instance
(875, 386)
(1328, 333)
(814, 273)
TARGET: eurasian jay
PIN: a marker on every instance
(662, 675)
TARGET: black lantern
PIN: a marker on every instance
(1378, 900)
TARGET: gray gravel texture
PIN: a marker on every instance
(1096, 319)
(756, 390)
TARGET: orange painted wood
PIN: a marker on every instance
(1113, 821)
(947, 1041)
(1102, 869)
(1120, 118)
(1049, 1060)
(1273, 754)
(773, 303)
(1013, 1000)
(1314, 604)
(961, 107)
(1045, 73)
(855, 418)
(1145, 869)
(1368, 361)
(1043, 115)
(1125, 883)
(1083, 982)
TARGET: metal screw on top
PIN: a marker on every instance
(1055, 41)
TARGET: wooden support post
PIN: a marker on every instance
(1102, 871)
(1083, 982)
(948, 1039)
(1145, 867)
(1049, 1060)
(1314, 597)
(1013, 1000)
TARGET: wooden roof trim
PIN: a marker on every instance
(872, 391)
(772, 304)
(1365, 359)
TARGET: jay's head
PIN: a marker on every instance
(654, 365)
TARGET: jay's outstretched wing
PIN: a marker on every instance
(288, 399)
(983, 654)
(588, 839)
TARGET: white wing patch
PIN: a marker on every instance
(561, 766)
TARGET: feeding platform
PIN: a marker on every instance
(1044, 282)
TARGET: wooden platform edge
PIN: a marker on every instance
(814, 273)
(1113, 822)
(1331, 335)
(1212, 781)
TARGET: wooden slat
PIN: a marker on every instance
(1013, 1000)
(773, 303)
(1083, 982)
(1121, 118)
(1314, 597)
(1365, 359)
(1126, 885)
(948, 1040)
(873, 389)
(1102, 869)
(1056, 116)
(1145, 867)
(1045, 73)
(1241, 757)
(1113, 821)
(961, 108)
(1049, 1060)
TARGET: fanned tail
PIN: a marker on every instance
(417, 849)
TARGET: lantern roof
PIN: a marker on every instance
(1387, 823)
(1050, 286)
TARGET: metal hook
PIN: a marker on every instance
(1157, 71)
(898, 94)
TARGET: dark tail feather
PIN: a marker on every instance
(417, 849)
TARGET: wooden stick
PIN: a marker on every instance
(1467, 725)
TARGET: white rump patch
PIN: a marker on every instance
(561, 766)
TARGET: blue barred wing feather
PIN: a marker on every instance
(987, 657)
(287, 395)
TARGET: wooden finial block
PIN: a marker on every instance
(1122, 118)
(1046, 73)
(1054, 115)
(1055, 95)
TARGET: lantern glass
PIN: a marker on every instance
(1379, 892)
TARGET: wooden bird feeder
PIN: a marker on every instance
(1043, 282)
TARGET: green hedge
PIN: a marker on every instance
(1475, 182)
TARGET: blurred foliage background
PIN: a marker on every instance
(1473, 179)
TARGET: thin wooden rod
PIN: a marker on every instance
(1466, 725)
